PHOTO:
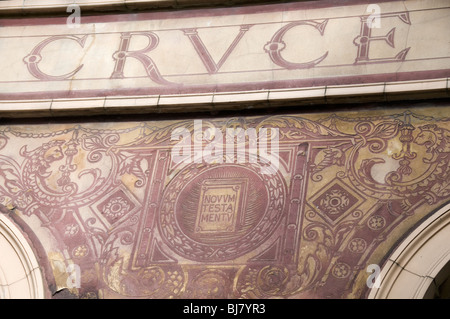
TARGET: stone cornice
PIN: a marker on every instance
(31, 7)
(213, 102)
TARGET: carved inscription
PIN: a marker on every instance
(219, 205)
(279, 42)
(293, 46)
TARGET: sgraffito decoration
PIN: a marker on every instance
(109, 198)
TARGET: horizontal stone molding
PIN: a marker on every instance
(211, 102)
(20, 7)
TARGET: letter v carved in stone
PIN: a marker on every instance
(204, 53)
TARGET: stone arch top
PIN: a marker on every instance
(414, 269)
(20, 273)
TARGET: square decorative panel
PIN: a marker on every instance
(116, 206)
(335, 201)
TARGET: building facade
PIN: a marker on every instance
(224, 149)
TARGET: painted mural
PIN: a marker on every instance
(264, 206)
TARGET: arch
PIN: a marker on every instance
(420, 263)
(20, 273)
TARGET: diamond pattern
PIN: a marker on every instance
(116, 206)
(335, 201)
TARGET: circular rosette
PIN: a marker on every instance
(211, 284)
(219, 212)
(272, 280)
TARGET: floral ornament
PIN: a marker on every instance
(80, 251)
(335, 202)
(272, 280)
(376, 222)
(341, 270)
(211, 284)
(71, 230)
(116, 208)
(357, 245)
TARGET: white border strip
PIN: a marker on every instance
(184, 103)
(31, 268)
(411, 251)
(31, 6)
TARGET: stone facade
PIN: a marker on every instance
(342, 151)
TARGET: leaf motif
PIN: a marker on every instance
(386, 130)
(92, 142)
